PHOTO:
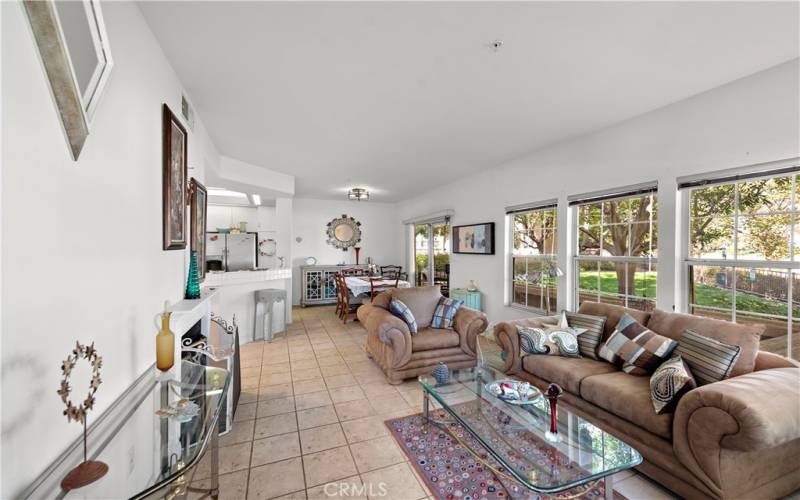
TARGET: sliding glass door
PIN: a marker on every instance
(432, 255)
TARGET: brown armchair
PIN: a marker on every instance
(402, 355)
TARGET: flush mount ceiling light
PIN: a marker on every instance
(256, 199)
(358, 194)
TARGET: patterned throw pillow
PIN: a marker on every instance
(551, 340)
(445, 312)
(669, 382)
(641, 349)
(592, 335)
(402, 311)
(710, 360)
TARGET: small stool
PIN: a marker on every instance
(265, 306)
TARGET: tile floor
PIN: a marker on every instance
(310, 422)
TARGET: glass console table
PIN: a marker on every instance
(148, 456)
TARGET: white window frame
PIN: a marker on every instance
(734, 263)
(590, 198)
(511, 212)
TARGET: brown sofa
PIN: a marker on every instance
(738, 438)
(402, 355)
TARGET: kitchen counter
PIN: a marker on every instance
(221, 278)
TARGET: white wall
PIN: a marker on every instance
(748, 121)
(82, 255)
(379, 234)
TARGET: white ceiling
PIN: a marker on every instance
(402, 97)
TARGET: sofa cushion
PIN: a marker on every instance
(548, 341)
(566, 372)
(710, 360)
(669, 382)
(402, 311)
(641, 349)
(422, 300)
(445, 312)
(628, 397)
(747, 337)
(428, 339)
(613, 314)
(593, 327)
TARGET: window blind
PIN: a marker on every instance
(611, 194)
(527, 207)
(434, 218)
(732, 176)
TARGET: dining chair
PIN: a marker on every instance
(378, 285)
(391, 271)
(352, 271)
(350, 303)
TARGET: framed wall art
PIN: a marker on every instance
(174, 167)
(474, 239)
(198, 201)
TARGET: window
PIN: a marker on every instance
(437, 254)
(534, 272)
(616, 238)
(743, 261)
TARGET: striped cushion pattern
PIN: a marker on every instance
(642, 350)
(399, 309)
(710, 360)
(669, 382)
(445, 312)
(593, 336)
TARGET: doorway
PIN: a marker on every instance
(432, 255)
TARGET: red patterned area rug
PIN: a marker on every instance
(451, 471)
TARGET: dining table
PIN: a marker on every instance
(360, 285)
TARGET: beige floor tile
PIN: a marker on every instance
(352, 410)
(274, 425)
(322, 438)
(310, 385)
(275, 391)
(335, 381)
(332, 370)
(234, 457)
(328, 465)
(331, 360)
(250, 362)
(276, 378)
(275, 449)
(376, 454)
(275, 407)
(315, 417)
(390, 402)
(398, 481)
(240, 433)
(344, 394)
(370, 377)
(276, 368)
(232, 486)
(350, 488)
(245, 412)
(638, 486)
(250, 383)
(364, 429)
(402, 412)
(306, 374)
(313, 400)
(276, 479)
(304, 364)
(413, 397)
(252, 371)
(297, 495)
(302, 356)
(328, 350)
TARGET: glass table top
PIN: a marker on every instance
(515, 435)
(144, 451)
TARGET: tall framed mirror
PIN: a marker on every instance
(73, 45)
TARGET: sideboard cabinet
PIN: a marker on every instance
(317, 283)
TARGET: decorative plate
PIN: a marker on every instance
(509, 390)
(311, 261)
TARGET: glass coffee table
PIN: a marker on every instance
(514, 435)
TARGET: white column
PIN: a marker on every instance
(668, 265)
(284, 236)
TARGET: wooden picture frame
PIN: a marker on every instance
(198, 217)
(175, 140)
(475, 239)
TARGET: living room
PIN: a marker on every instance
(400, 249)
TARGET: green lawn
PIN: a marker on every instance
(705, 295)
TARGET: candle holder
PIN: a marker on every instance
(87, 471)
(554, 391)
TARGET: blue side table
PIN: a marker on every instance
(471, 299)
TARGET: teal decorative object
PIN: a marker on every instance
(441, 374)
(193, 282)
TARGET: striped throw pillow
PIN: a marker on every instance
(399, 309)
(445, 312)
(642, 350)
(670, 381)
(710, 360)
(592, 336)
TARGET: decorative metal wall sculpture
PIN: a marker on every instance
(344, 232)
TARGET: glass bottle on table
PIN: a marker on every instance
(165, 343)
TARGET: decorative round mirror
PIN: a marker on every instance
(344, 232)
